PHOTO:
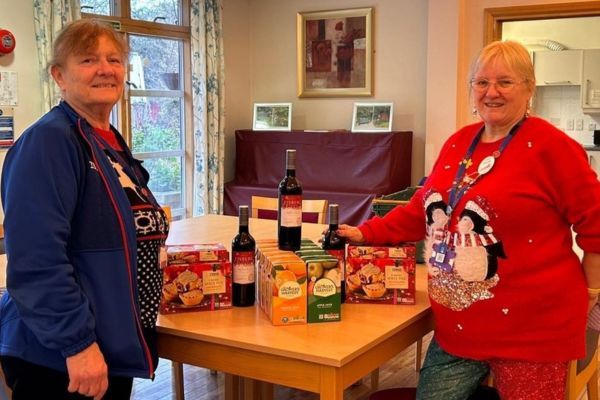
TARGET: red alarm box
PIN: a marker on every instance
(7, 42)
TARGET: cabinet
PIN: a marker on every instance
(350, 169)
(557, 67)
(590, 87)
(594, 158)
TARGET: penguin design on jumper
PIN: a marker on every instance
(477, 248)
(439, 256)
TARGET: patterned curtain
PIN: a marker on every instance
(208, 79)
(49, 17)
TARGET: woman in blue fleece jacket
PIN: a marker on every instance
(83, 236)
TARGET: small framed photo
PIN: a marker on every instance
(372, 117)
(272, 117)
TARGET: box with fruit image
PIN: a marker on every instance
(381, 275)
(196, 287)
(282, 286)
(324, 283)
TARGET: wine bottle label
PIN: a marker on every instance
(291, 210)
(243, 267)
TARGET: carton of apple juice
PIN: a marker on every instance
(324, 293)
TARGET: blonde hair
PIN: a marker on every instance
(513, 54)
(82, 35)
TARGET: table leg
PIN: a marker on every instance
(331, 387)
(418, 355)
(266, 390)
(177, 379)
(375, 379)
(232, 387)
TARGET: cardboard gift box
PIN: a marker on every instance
(380, 274)
(196, 287)
(281, 286)
(196, 253)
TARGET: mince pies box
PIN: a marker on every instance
(381, 275)
(196, 253)
(190, 284)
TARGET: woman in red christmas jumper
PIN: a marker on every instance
(507, 291)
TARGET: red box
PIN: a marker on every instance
(381, 275)
(196, 253)
(196, 287)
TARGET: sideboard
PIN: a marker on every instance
(350, 169)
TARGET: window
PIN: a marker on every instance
(155, 112)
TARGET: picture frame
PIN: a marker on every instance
(372, 117)
(272, 117)
(335, 53)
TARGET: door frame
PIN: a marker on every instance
(495, 17)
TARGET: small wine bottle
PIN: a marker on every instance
(336, 246)
(289, 216)
(243, 265)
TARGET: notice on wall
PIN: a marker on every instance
(8, 88)
(7, 127)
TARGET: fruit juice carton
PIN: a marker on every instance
(194, 253)
(324, 289)
(196, 287)
(381, 275)
(284, 290)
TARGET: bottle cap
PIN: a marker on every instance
(333, 213)
(290, 159)
(243, 210)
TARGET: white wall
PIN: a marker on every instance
(400, 66)
(17, 17)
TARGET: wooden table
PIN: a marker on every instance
(322, 358)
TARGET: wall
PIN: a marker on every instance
(400, 65)
(24, 61)
(469, 33)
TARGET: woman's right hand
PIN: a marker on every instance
(351, 233)
(88, 373)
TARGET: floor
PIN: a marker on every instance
(200, 384)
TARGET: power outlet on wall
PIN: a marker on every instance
(570, 124)
(591, 126)
(579, 124)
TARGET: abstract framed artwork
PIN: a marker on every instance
(335, 53)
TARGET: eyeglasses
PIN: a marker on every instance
(501, 85)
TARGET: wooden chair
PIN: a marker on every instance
(314, 211)
(583, 374)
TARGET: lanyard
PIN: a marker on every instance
(458, 188)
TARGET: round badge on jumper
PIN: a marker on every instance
(486, 165)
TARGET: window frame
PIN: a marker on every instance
(128, 26)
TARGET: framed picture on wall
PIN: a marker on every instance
(335, 53)
(372, 117)
(272, 117)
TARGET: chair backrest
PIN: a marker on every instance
(580, 377)
(313, 211)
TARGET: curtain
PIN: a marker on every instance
(49, 17)
(208, 76)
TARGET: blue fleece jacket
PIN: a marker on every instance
(71, 248)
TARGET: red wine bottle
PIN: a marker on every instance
(243, 265)
(336, 246)
(289, 216)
